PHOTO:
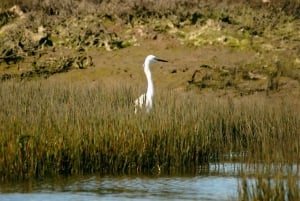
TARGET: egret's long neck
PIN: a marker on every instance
(150, 88)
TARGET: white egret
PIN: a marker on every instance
(145, 100)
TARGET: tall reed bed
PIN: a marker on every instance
(54, 128)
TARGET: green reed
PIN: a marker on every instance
(60, 128)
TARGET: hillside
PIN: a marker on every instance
(220, 48)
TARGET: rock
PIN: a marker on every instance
(255, 76)
(17, 10)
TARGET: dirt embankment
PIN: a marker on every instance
(222, 46)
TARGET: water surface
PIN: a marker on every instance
(213, 182)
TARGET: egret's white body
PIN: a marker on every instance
(146, 99)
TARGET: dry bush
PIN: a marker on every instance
(149, 7)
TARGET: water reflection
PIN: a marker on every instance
(127, 188)
(211, 182)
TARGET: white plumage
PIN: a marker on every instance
(146, 99)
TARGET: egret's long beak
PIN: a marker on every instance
(161, 60)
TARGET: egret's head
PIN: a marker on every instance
(151, 58)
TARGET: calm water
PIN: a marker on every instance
(211, 183)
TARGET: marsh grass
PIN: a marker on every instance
(59, 128)
(279, 182)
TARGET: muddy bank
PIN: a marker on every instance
(243, 48)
